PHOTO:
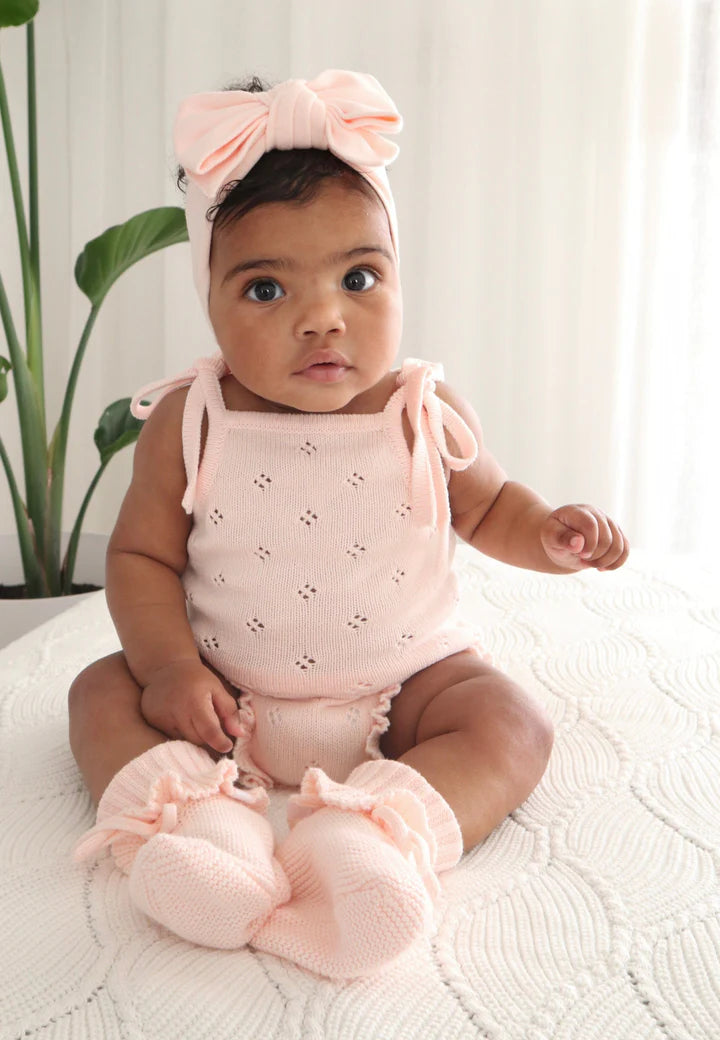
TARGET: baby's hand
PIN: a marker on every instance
(187, 701)
(578, 537)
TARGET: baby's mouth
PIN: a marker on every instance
(324, 366)
(324, 372)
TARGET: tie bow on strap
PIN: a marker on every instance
(142, 408)
(430, 417)
(203, 379)
(221, 135)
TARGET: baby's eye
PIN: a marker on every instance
(360, 279)
(264, 290)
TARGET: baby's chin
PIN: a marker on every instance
(296, 405)
(313, 400)
(310, 409)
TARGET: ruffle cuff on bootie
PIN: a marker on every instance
(411, 813)
(151, 790)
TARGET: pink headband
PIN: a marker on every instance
(220, 136)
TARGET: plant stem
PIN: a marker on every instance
(34, 577)
(34, 323)
(28, 391)
(68, 567)
(9, 326)
(32, 148)
(16, 193)
(32, 427)
(58, 446)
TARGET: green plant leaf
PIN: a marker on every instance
(5, 367)
(17, 12)
(104, 259)
(116, 429)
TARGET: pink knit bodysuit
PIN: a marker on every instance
(319, 573)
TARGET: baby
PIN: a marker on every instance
(280, 574)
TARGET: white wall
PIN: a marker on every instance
(532, 189)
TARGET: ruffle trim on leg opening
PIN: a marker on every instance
(399, 814)
(250, 774)
(380, 721)
(168, 793)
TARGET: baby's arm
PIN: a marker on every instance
(146, 558)
(512, 523)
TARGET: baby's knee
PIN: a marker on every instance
(541, 734)
(85, 688)
(537, 729)
(515, 730)
(95, 692)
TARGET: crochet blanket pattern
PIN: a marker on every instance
(593, 911)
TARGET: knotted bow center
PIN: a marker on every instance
(297, 118)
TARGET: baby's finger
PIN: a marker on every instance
(184, 729)
(567, 539)
(211, 733)
(617, 554)
(191, 733)
(174, 732)
(603, 543)
(227, 710)
(578, 530)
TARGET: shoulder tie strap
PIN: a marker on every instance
(204, 395)
(429, 418)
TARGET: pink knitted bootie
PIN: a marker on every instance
(362, 859)
(197, 850)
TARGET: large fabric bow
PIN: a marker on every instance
(221, 135)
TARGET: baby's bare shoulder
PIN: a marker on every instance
(151, 521)
(158, 466)
(165, 420)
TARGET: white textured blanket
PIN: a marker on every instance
(592, 912)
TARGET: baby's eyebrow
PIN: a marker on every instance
(359, 251)
(247, 265)
(284, 263)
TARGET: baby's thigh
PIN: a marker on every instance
(459, 693)
(107, 728)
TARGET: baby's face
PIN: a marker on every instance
(305, 299)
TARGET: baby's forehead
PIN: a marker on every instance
(335, 221)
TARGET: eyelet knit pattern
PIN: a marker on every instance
(320, 557)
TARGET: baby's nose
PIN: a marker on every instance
(321, 316)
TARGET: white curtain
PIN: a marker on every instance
(557, 191)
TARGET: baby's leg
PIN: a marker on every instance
(474, 735)
(107, 729)
(362, 857)
(198, 851)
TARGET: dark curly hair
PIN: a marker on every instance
(295, 175)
